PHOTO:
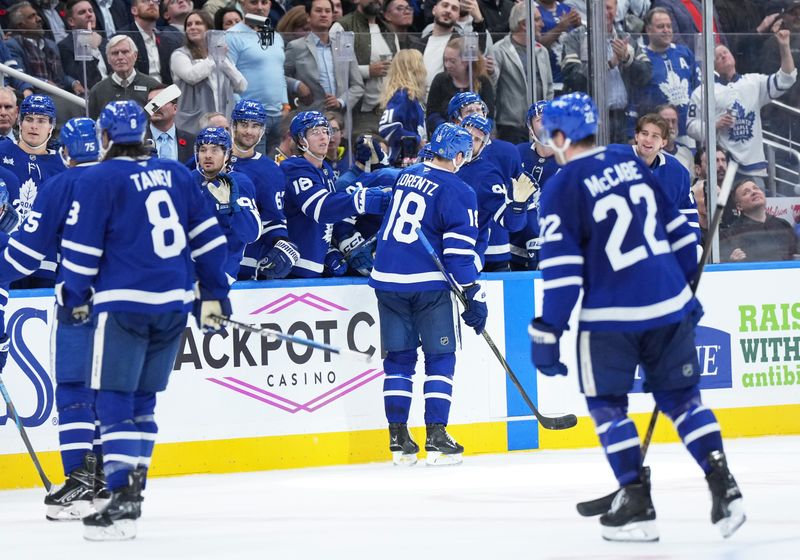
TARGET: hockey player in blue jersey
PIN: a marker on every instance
(231, 196)
(313, 206)
(137, 237)
(272, 255)
(609, 229)
(33, 163)
(34, 242)
(499, 210)
(414, 303)
(539, 162)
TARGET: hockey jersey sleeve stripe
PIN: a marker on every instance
(310, 201)
(676, 223)
(141, 296)
(560, 261)
(460, 237)
(213, 244)
(17, 266)
(78, 269)
(360, 200)
(81, 248)
(562, 282)
(318, 208)
(202, 226)
(48, 265)
(641, 313)
(269, 228)
(24, 249)
(457, 251)
(408, 278)
(683, 242)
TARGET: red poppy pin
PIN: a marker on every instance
(182, 141)
(62, 13)
(3, 12)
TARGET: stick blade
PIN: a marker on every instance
(558, 422)
(598, 506)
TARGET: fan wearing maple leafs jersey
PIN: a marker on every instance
(32, 164)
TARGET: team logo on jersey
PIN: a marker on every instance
(27, 194)
(8, 161)
(675, 89)
(742, 130)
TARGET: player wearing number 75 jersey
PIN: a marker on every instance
(414, 302)
(138, 235)
(608, 228)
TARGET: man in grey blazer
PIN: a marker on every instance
(310, 59)
(508, 78)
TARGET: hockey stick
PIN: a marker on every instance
(599, 506)
(547, 422)
(269, 333)
(12, 411)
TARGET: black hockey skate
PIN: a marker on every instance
(442, 449)
(117, 522)
(101, 493)
(727, 509)
(404, 449)
(632, 517)
(72, 500)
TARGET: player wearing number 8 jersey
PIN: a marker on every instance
(137, 236)
(608, 228)
(414, 302)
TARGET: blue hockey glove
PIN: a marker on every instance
(205, 313)
(226, 194)
(374, 200)
(476, 312)
(9, 218)
(279, 260)
(545, 350)
(335, 263)
(369, 151)
(359, 253)
(5, 342)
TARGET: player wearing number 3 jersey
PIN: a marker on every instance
(414, 302)
(135, 226)
(608, 228)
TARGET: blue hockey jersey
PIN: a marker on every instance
(366, 225)
(403, 116)
(134, 228)
(35, 243)
(312, 207)
(446, 208)
(269, 183)
(32, 170)
(240, 228)
(608, 228)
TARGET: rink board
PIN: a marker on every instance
(237, 402)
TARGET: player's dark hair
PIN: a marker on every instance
(310, 4)
(127, 150)
(588, 142)
(654, 119)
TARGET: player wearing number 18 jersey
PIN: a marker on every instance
(608, 227)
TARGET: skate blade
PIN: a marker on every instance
(728, 525)
(439, 459)
(404, 459)
(120, 530)
(75, 511)
(638, 531)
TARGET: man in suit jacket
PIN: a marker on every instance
(508, 78)
(169, 142)
(155, 45)
(80, 15)
(310, 59)
(112, 15)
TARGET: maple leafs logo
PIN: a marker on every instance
(742, 130)
(27, 194)
(675, 89)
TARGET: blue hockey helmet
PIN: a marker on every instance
(79, 137)
(38, 104)
(461, 100)
(449, 140)
(574, 114)
(123, 121)
(478, 121)
(213, 135)
(425, 153)
(249, 110)
(535, 110)
(305, 121)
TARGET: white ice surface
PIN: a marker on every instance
(494, 507)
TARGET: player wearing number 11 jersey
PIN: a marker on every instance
(608, 228)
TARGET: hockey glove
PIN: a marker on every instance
(359, 254)
(374, 200)
(78, 315)
(5, 342)
(205, 313)
(476, 312)
(335, 263)
(369, 153)
(545, 350)
(226, 194)
(522, 189)
(279, 260)
(9, 218)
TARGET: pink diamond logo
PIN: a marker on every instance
(307, 298)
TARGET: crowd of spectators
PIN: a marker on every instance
(409, 57)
